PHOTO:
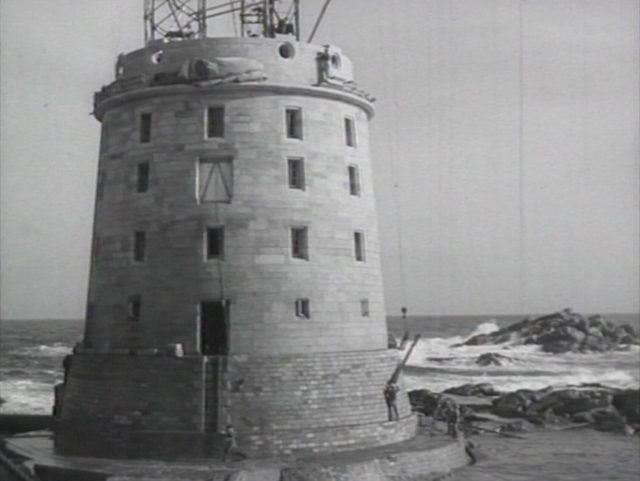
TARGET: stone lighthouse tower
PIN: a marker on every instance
(235, 273)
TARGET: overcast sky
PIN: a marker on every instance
(505, 148)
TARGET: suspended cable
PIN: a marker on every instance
(389, 60)
(315, 27)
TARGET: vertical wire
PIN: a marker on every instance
(395, 171)
(521, 218)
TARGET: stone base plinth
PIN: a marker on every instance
(416, 459)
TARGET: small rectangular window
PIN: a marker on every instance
(296, 174)
(139, 246)
(102, 177)
(215, 122)
(215, 242)
(302, 308)
(364, 307)
(145, 128)
(214, 179)
(142, 177)
(354, 180)
(96, 248)
(349, 131)
(299, 243)
(293, 119)
(135, 308)
(358, 243)
(90, 310)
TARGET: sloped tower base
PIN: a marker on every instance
(143, 406)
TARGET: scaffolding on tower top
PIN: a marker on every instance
(176, 20)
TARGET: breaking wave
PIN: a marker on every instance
(56, 349)
(436, 365)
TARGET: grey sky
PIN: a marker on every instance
(505, 148)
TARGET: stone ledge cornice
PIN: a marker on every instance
(262, 88)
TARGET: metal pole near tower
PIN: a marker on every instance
(296, 4)
(202, 18)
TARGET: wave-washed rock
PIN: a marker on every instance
(481, 389)
(564, 331)
(604, 409)
(492, 359)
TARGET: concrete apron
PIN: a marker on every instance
(422, 456)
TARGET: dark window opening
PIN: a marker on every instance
(214, 328)
(142, 183)
(296, 174)
(293, 119)
(96, 248)
(90, 310)
(302, 308)
(215, 242)
(299, 243)
(102, 177)
(215, 122)
(139, 246)
(215, 179)
(349, 132)
(145, 128)
(135, 308)
(354, 180)
(364, 307)
(358, 241)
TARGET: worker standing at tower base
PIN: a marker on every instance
(390, 395)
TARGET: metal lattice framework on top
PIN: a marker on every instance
(187, 19)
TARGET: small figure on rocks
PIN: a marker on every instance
(231, 445)
(390, 395)
(449, 411)
(469, 446)
(453, 419)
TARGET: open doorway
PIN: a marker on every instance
(214, 328)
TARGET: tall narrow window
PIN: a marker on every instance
(364, 307)
(296, 174)
(135, 307)
(302, 308)
(96, 248)
(139, 246)
(293, 120)
(215, 242)
(358, 244)
(102, 177)
(215, 122)
(349, 132)
(90, 310)
(354, 180)
(145, 128)
(215, 179)
(142, 177)
(299, 243)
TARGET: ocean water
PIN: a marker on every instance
(436, 365)
(31, 354)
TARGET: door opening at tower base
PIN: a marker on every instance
(214, 328)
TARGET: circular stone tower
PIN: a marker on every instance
(235, 275)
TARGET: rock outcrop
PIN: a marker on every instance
(602, 408)
(564, 331)
(492, 359)
(482, 389)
